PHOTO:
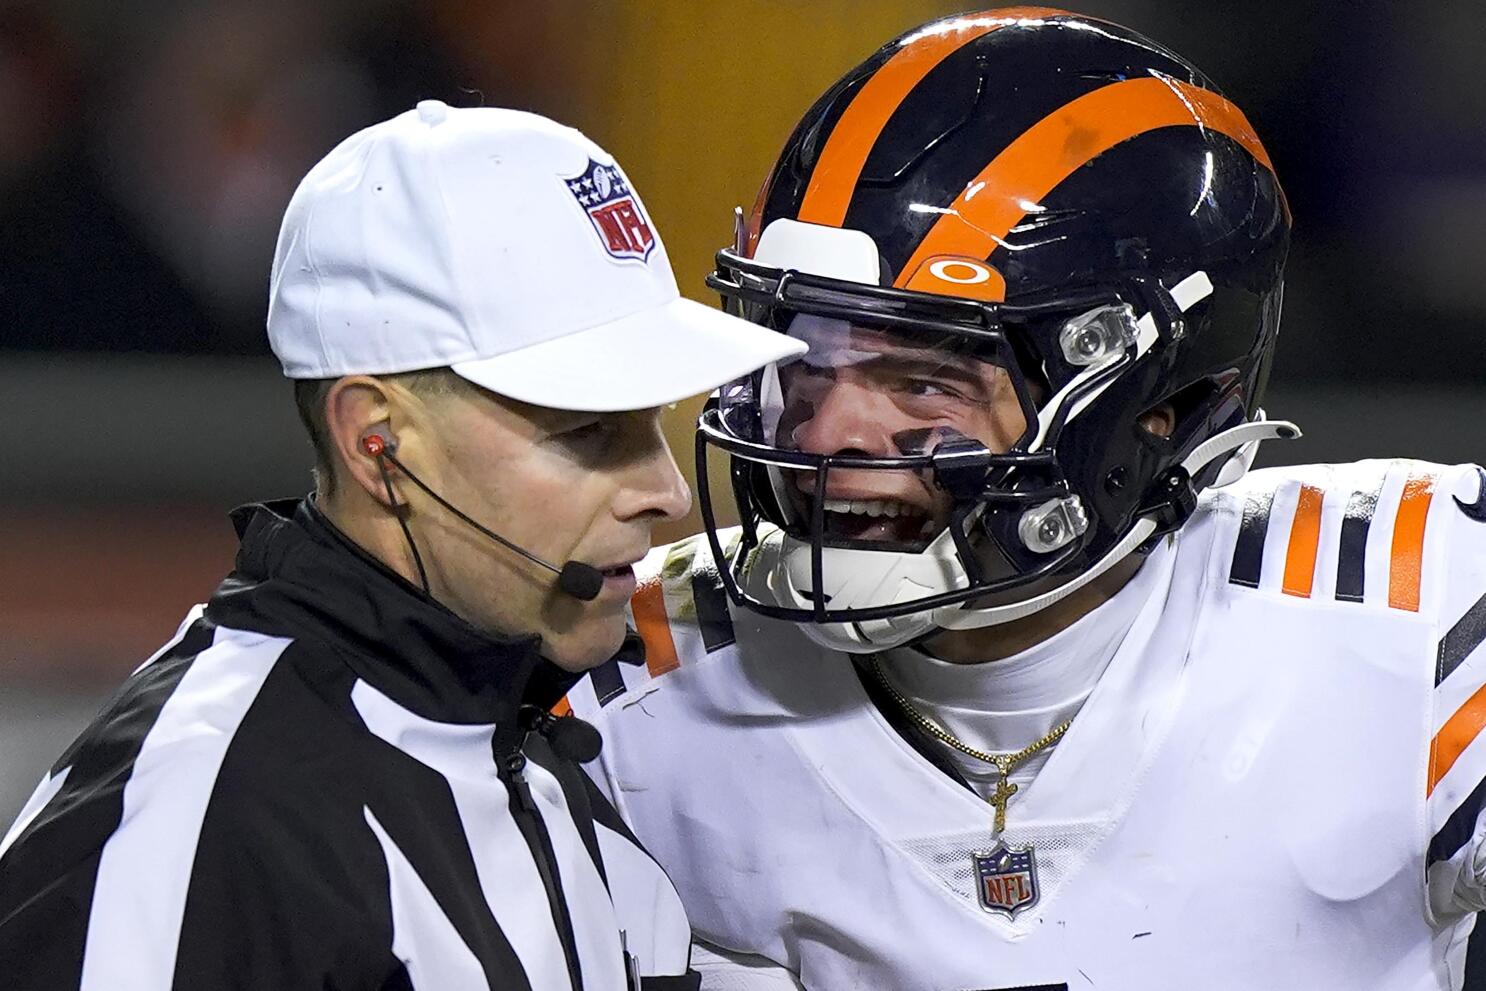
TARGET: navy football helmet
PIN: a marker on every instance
(1010, 239)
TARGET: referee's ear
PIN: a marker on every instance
(355, 405)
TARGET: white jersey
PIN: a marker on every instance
(1275, 784)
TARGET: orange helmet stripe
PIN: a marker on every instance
(839, 166)
(1061, 143)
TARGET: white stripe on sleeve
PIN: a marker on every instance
(436, 958)
(44, 793)
(144, 871)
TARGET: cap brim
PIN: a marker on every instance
(658, 356)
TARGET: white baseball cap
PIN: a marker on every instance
(505, 246)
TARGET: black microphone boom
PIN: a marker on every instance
(581, 581)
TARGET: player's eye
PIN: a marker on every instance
(929, 389)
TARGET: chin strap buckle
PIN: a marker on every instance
(960, 466)
(1171, 502)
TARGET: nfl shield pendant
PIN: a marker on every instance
(1006, 879)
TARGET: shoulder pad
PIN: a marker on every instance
(1369, 533)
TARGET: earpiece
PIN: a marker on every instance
(377, 444)
(382, 447)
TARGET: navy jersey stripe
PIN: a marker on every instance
(1351, 564)
(608, 683)
(1248, 551)
(1475, 957)
(712, 609)
(1458, 829)
(1464, 637)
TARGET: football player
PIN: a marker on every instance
(1035, 686)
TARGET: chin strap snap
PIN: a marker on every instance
(1163, 516)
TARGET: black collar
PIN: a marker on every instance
(298, 576)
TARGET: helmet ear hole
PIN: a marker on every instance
(1172, 418)
(1159, 420)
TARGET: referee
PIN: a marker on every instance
(342, 772)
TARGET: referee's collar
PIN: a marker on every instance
(297, 575)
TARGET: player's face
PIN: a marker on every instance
(865, 391)
(564, 485)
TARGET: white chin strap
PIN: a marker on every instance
(1244, 439)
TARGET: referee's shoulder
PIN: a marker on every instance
(216, 706)
(153, 754)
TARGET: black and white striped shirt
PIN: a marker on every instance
(322, 783)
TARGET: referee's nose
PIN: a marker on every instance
(653, 485)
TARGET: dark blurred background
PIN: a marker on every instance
(147, 151)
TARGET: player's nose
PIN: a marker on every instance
(847, 417)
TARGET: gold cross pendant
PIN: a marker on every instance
(1004, 790)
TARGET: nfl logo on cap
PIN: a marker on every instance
(614, 210)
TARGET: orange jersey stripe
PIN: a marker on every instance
(845, 153)
(1034, 164)
(1406, 567)
(562, 708)
(1305, 539)
(1457, 733)
(649, 607)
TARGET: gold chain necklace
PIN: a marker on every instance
(1003, 763)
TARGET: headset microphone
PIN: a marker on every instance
(581, 581)
(568, 735)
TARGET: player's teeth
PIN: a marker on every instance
(870, 507)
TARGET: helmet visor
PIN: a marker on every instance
(873, 392)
